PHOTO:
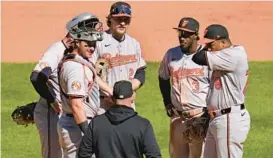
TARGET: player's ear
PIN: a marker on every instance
(196, 37)
(108, 21)
(77, 43)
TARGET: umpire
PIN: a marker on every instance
(120, 132)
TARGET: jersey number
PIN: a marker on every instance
(195, 85)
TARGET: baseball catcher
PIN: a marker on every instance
(23, 115)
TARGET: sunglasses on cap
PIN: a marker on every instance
(184, 34)
(121, 10)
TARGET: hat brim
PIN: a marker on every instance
(206, 40)
(184, 29)
(121, 15)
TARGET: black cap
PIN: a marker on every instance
(120, 9)
(123, 89)
(188, 24)
(215, 32)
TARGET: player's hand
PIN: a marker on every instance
(170, 110)
(57, 107)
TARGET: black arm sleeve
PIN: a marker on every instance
(86, 146)
(165, 89)
(140, 75)
(200, 58)
(39, 80)
(151, 148)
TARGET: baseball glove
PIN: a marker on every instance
(102, 67)
(23, 115)
(197, 129)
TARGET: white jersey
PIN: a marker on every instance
(51, 58)
(78, 79)
(190, 81)
(229, 77)
(124, 57)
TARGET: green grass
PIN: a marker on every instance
(20, 142)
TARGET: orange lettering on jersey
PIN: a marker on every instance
(119, 59)
(215, 80)
(131, 74)
(182, 73)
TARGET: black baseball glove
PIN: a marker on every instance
(23, 115)
(170, 110)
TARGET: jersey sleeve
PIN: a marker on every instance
(223, 60)
(74, 75)
(51, 59)
(141, 61)
(164, 71)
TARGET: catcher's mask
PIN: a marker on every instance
(85, 27)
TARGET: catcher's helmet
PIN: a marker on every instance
(85, 27)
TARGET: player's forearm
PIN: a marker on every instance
(136, 84)
(165, 89)
(139, 79)
(78, 110)
(104, 86)
(39, 81)
(200, 58)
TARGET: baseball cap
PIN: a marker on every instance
(188, 24)
(215, 32)
(120, 9)
(123, 89)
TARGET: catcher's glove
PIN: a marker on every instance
(23, 115)
(197, 129)
(102, 67)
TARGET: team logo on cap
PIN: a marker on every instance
(76, 85)
(184, 23)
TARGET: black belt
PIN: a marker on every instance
(228, 110)
(71, 115)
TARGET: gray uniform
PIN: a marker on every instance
(124, 58)
(51, 59)
(76, 79)
(190, 85)
(227, 132)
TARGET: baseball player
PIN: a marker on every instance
(185, 97)
(229, 120)
(79, 84)
(45, 81)
(122, 51)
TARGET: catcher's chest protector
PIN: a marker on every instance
(90, 72)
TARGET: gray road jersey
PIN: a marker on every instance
(229, 77)
(77, 79)
(124, 57)
(51, 59)
(190, 82)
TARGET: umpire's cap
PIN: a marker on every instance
(123, 89)
(215, 32)
(188, 24)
